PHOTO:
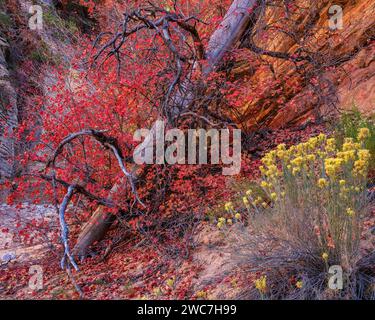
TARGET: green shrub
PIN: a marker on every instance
(5, 20)
(56, 22)
(348, 125)
(39, 56)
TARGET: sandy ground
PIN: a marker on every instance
(13, 246)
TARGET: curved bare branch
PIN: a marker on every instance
(105, 141)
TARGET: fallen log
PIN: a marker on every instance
(96, 228)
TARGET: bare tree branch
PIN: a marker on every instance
(65, 230)
(108, 143)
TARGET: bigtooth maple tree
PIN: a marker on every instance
(181, 94)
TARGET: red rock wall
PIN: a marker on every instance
(352, 50)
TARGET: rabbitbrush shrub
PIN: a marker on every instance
(310, 220)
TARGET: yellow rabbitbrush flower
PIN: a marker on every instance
(322, 183)
(364, 154)
(297, 162)
(270, 158)
(282, 153)
(360, 168)
(350, 212)
(313, 142)
(363, 134)
(281, 147)
(170, 282)
(311, 157)
(272, 172)
(221, 222)
(296, 170)
(201, 294)
(347, 156)
(245, 201)
(331, 145)
(349, 145)
(264, 184)
(228, 206)
(299, 284)
(261, 284)
(333, 166)
(321, 137)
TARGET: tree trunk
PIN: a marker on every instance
(96, 228)
(237, 22)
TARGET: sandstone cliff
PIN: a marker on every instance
(343, 59)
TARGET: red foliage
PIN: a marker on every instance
(118, 103)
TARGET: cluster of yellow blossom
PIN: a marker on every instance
(221, 222)
(350, 212)
(305, 169)
(261, 284)
(299, 284)
(361, 165)
(257, 201)
(230, 209)
(347, 156)
(363, 134)
(333, 166)
(245, 201)
(330, 146)
(350, 145)
(229, 206)
(170, 282)
(322, 183)
(325, 256)
(306, 158)
(157, 291)
(201, 294)
(295, 159)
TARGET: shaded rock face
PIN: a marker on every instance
(8, 115)
(17, 44)
(343, 58)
